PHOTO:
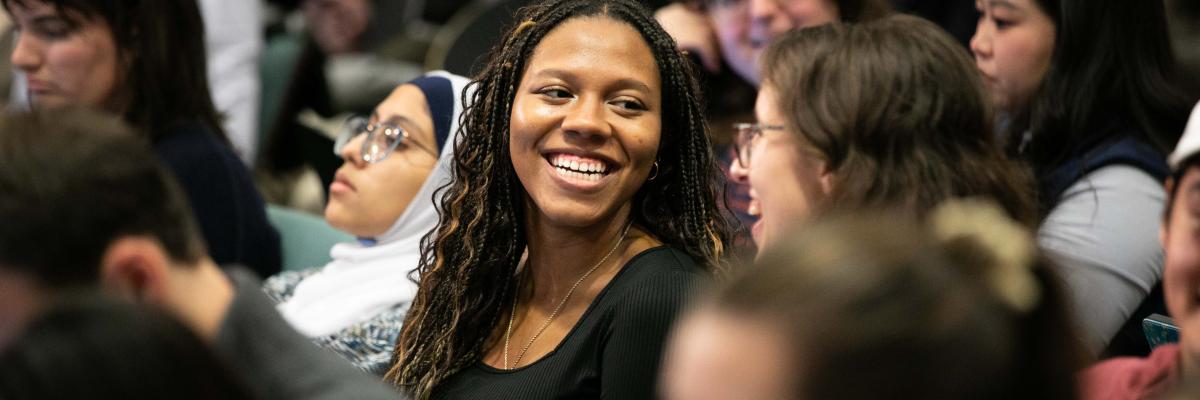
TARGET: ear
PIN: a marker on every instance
(136, 267)
(825, 178)
(1166, 219)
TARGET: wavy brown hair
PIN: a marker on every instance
(468, 266)
(899, 114)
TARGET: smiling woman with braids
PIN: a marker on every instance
(580, 216)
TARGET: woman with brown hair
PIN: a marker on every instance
(580, 215)
(888, 113)
(954, 307)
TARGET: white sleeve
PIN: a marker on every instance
(233, 35)
(1104, 234)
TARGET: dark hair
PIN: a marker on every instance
(467, 271)
(162, 43)
(848, 10)
(1112, 73)
(72, 182)
(92, 347)
(874, 310)
(897, 110)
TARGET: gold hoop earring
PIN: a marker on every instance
(654, 172)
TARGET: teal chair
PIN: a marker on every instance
(304, 238)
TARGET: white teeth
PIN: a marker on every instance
(588, 167)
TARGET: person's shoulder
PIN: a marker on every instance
(193, 144)
(660, 277)
(1131, 377)
(666, 263)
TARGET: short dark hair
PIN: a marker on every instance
(897, 110)
(72, 181)
(162, 43)
(89, 346)
(1192, 162)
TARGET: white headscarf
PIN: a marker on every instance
(364, 280)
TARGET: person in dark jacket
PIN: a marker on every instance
(145, 61)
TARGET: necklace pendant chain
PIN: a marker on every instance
(513, 314)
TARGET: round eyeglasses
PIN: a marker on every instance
(382, 138)
(743, 142)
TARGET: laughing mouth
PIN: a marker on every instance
(577, 167)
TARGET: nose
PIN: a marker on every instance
(764, 9)
(737, 172)
(26, 53)
(352, 151)
(587, 118)
(981, 41)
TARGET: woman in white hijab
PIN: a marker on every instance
(394, 162)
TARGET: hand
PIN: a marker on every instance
(691, 30)
(337, 25)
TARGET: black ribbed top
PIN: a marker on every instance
(613, 351)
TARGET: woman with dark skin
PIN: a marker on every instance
(580, 216)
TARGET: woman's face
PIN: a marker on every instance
(1180, 237)
(744, 28)
(719, 356)
(586, 122)
(1013, 44)
(787, 178)
(65, 64)
(366, 199)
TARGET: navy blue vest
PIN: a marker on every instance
(1123, 150)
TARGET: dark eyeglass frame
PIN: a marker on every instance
(743, 140)
(383, 137)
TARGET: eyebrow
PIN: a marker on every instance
(408, 125)
(1003, 4)
(622, 83)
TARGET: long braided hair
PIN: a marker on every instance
(468, 266)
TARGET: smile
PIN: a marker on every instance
(579, 168)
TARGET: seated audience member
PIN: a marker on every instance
(1155, 375)
(1089, 101)
(961, 307)
(394, 162)
(889, 113)
(729, 36)
(93, 347)
(581, 213)
(145, 61)
(87, 203)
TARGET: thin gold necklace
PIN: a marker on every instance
(513, 314)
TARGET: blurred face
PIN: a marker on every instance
(20, 298)
(787, 178)
(65, 64)
(744, 28)
(1181, 271)
(585, 124)
(1013, 44)
(717, 356)
(366, 199)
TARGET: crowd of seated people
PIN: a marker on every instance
(919, 217)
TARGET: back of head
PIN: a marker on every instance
(72, 182)
(898, 112)
(92, 347)
(1112, 73)
(896, 310)
(161, 47)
